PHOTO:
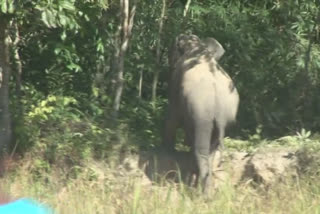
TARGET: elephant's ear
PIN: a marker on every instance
(214, 47)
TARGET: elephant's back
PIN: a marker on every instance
(208, 90)
(198, 90)
(198, 81)
(227, 97)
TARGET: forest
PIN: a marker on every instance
(85, 82)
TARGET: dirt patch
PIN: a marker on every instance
(265, 166)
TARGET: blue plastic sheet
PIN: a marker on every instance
(24, 206)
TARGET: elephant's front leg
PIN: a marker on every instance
(192, 171)
(171, 125)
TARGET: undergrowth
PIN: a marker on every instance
(97, 186)
(72, 158)
(86, 195)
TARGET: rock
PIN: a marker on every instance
(232, 168)
(268, 166)
(264, 166)
(130, 169)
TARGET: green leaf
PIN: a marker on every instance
(51, 18)
(63, 19)
(100, 46)
(74, 67)
(52, 98)
(198, 9)
(11, 6)
(63, 36)
(67, 5)
(4, 6)
(48, 18)
(44, 18)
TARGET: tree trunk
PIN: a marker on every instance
(127, 24)
(140, 84)
(18, 64)
(307, 82)
(158, 53)
(5, 118)
(186, 8)
(308, 52)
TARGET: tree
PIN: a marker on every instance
(158, 52)
(121, 46)
(5, 117)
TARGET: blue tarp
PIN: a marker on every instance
(24, 206)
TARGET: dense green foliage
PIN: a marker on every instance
(66, 48)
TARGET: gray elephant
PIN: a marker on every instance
(202, 100)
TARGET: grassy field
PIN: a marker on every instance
(86, 197)
(89, 193)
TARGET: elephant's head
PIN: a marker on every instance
(185, 43)
(191, 44)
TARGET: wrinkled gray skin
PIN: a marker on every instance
(202, 100)
(214, 47)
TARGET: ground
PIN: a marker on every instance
(270, 178)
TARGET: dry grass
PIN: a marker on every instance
(108, 195)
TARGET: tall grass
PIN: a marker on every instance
(98, 188)
(134, 196)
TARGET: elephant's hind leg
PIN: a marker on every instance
(216, 143)
(202, 143)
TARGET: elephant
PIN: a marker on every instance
(202, 100)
